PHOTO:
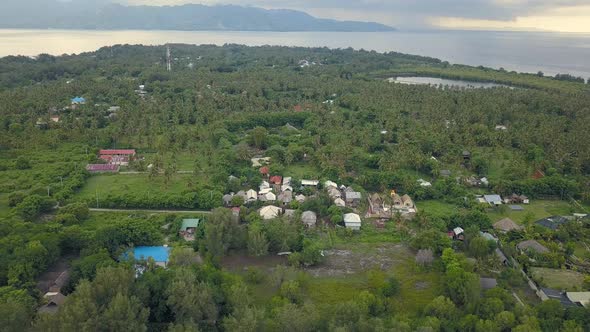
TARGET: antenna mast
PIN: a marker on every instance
(169, 59)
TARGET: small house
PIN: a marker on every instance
(353, 198)
(506, 225)
(352, 221)
(532, 245)
(553, 222)
(259, 162)
(553, 294)
(227, 199)
(310, 183)
(286, 197)
(329, 184)
(54, 301)
(487, 283)
(289, 213)
(309, 218)
(445, 173)
(286, 187)
(270, 212)
(398, 203)
(339, 202)
(424, 183)
(300, 198)
(189, 228)
(264, 171)
(251, 196)
(466, 155)
(579, 298)
(493, 200)
(334, 193)
(501, 127)
(287, 181)
(407, 201)
(78, 101)
(268, 197)
(242, 194)
(276, 180)
(458, 233)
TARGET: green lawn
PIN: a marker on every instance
(302, 171)
(122, 184)
(538, 209)
(436, 208)
(558, 279)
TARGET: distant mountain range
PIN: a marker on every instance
(52, 14)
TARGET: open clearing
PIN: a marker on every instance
(538, 209)
(130, 184)
(558, 279)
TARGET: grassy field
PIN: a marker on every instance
(558, 279)
(538, 209)
(302, 171)
(133, 183)
(436, 208)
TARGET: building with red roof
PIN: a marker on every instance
(276, 179)
(120, 152)
(102, 168)
(264, 170)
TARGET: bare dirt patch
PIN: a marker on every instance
(342, 262)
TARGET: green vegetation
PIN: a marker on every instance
(558, 279)
(196, 129)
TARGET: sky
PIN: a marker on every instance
(551, 15)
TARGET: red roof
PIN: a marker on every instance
(106, 158)
(264, 170)
(538, 174)
(298, 108)
(276, 179)
(117, 152)
(102, 168)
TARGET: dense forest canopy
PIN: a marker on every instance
(319, 114)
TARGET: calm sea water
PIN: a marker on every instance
(444, 82)
(551, 53)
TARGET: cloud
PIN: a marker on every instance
(418, 13)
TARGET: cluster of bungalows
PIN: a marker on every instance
(386, 209)
(272, 189)
(343, 196)
(497, 200)
(113, 160)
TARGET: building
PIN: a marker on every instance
(407, 202)
(264, 170)
(310, 183)
(352, 221)
(424, 183)
(102, 168)
(251, 196)
(445, 173)
(259, 162)
(487, 283)
(78, 101)
(334, 193)
(501, 257)
(579, 298)
(309, 218)
(286, 187)
(268, 197)
(54, 301)
(553, 294)
(493, 200)
(160, 254)
(532, 245)
(300, 198)
(329, 184)
(516, 199)
(270, 212)
(227, 199)
(276, 180)
(286, 197)
(353, 198)
(339, 202)
(552, 222)
(506, 225)
(189, 228)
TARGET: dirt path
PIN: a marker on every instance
(149, 211)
